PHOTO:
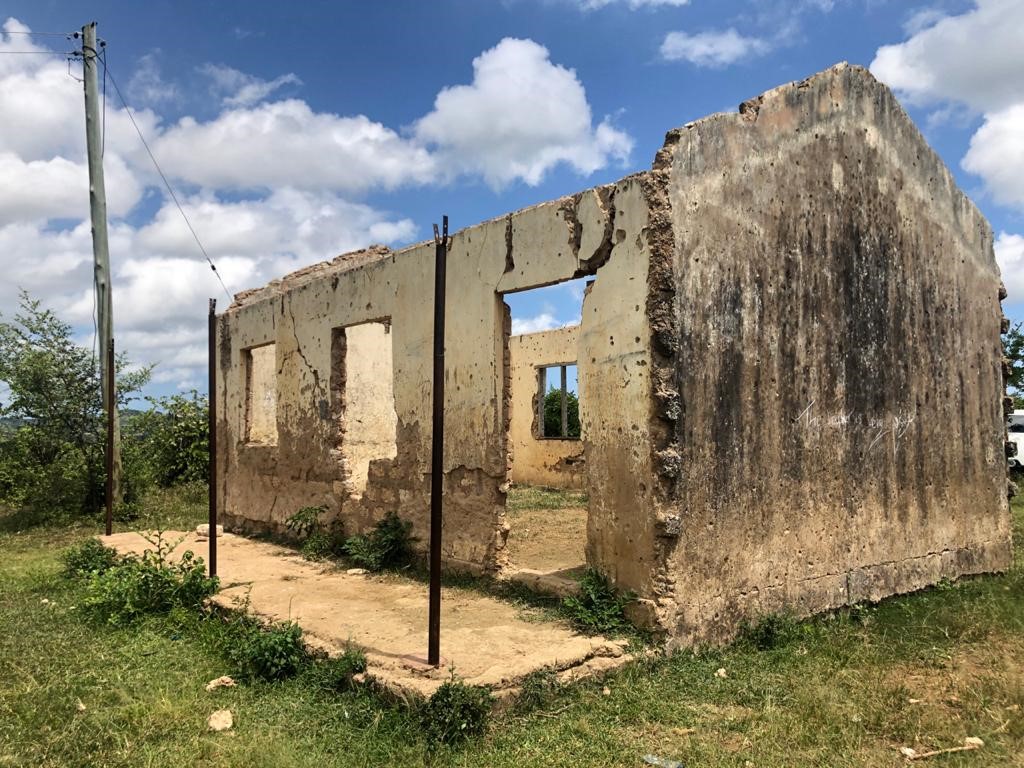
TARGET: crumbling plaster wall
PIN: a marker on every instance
(262, 485)
(830, 422)
(535, 460)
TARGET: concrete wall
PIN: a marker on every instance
(835, 432)
(537, 460)
(262, 485)
(790, 360)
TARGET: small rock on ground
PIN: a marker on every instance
(221, 720)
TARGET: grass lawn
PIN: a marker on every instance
(849, 689)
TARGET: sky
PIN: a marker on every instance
(295, 132)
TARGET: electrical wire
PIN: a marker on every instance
(159, 170)
(39, 34)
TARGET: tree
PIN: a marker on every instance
(1013, 351)
(52, 460)
(174, 437)
(553, 414)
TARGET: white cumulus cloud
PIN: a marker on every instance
(268, 183)
(712, 49)
(521, 116)
(1010, 257)
(972, 62)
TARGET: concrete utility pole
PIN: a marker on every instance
(101, 253)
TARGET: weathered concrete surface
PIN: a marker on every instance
(488, 642)
(537, 460)
(262, 485)
(838, 434)
(789, 359)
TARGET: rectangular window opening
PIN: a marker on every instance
(363, 396)
(261, 394)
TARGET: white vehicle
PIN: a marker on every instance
(1015, 434)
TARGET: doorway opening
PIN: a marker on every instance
(547, 506)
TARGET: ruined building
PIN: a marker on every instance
(789, 369)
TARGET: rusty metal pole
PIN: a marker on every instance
(212, 440)
(437, 449)
(565, 405)
(109, 406)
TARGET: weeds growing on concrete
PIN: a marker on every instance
(135, 586)
(319, 541)
(387, 546)
(598, 607)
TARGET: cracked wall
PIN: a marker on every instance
(832, 425)
(790, 359)
(263, 484)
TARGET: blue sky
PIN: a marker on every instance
(296, 131)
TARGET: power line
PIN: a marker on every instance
(67, 35)
(167, 184)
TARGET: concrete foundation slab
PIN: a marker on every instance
(486, 641)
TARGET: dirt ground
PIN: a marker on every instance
(487, 641)
(547, 540)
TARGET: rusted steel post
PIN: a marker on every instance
(565, 405)
(212, 440)
(437, 449)
(109, 407)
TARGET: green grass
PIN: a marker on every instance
(833, 691)
(537, 497)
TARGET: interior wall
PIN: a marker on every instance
(535, 460)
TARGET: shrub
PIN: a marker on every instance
(388, 545)
(274, 652)
(553, 414)
(336, 673)
(456, 712)
(151, 584)
(598, 607)
(171, 439)
(318, 541)
(91, 556)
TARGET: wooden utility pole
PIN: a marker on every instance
(101, 253)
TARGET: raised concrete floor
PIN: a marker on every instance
(487, 641)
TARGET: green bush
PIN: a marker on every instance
(539, 688)
(336, 673)
(151, 584)
(91, 556)
(388, 545)
(456, 712)
(553, 414)
(318, 541)
(53, 434)
(274, 652)
(598, 607)
(171, 439)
